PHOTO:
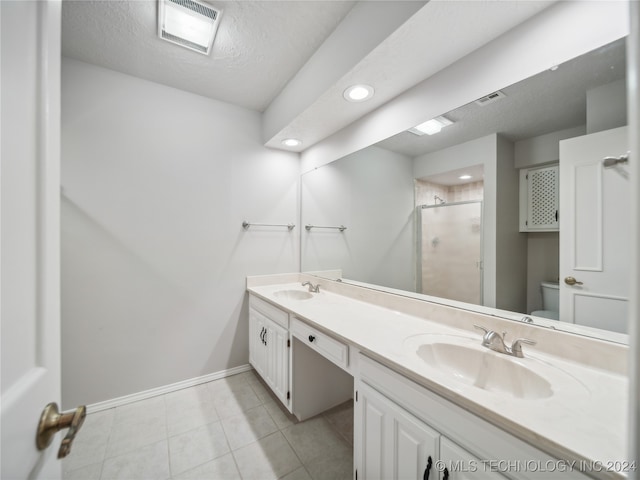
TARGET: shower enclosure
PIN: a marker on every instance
(450, 250)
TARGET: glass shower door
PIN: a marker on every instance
(451, 251)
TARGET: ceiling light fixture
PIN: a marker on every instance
(188, 23)
(465, 177)
(431, 127)
(358, 93)
(291, 142)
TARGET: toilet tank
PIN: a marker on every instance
(550, 296)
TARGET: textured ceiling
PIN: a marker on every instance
(547, 102)
(259, 46)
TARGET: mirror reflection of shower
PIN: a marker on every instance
(449, 209)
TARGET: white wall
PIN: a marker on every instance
(607, 107)
(511, 245)
(156, 183)
(543, 148)
(371, 193)
(543, 264)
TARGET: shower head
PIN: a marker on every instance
(438, 199)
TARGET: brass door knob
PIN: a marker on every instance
(571, 281)
(52, 421)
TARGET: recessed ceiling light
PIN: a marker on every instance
(465, 177)
(188, 23)
(291, 142)
(432, 126)
(358, 93)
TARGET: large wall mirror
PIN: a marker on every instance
(498, 210)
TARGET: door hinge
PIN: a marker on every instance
(356, 474)
(526, 222)
(288, 343)
(288, 395)
(356, 395)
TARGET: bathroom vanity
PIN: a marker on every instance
(430, 400)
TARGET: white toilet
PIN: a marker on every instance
(550, 301)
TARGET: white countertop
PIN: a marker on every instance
(584, 420)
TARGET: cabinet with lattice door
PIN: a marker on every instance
(539, 199)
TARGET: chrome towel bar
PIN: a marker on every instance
(342, 228)
(246, 225)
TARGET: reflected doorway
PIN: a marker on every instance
(449, 209)
(451, 251)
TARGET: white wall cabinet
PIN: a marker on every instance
(540, 199)
(269, 346)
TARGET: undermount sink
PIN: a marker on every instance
(463, 360)
(293, 295)
(485, 369)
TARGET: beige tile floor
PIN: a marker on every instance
(226, 429)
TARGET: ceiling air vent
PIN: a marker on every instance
(188, 23)
(492, 97)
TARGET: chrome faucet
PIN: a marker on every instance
(494, 341)
(312, 288)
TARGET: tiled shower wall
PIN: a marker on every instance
(425, 192)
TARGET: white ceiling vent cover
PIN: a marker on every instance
(188, 23)
(492, 97)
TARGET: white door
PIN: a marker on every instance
(29, 226)
(595, 231)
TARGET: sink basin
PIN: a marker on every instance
(293, 295)
(461, 360)
(485, 369)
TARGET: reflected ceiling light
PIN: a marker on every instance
(465, 177)
(291, 142)
(358, 93)
(188, 23)
(432, 126)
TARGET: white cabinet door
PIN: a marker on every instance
(277, 374)
(458, 464)
(394, 443)
(539, 199)
(257, 348)
(371, 417)
(595, 231)
(269, 353)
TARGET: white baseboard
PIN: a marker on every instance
(136, 397)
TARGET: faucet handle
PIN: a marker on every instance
(516, 346)
(480, 327)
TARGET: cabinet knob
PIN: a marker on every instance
(311, 338)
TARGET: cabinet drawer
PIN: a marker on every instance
(331, 349)
(273, 313)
